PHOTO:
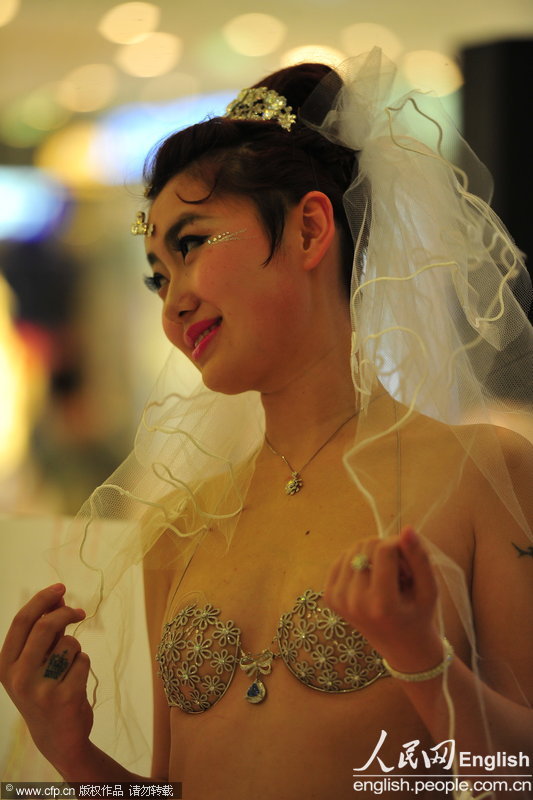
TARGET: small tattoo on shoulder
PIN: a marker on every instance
(56, 666)
(521, 552)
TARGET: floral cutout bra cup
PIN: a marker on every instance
(199, 653)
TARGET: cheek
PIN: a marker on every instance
(174, 333)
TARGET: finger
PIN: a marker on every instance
(417, 559)
(61, 658)
(333, 574)
(350, 580)
(386, 569)
(358, 564)
(45, 600)
(75, 681)
(405, 577)
(45, 632)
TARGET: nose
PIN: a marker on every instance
(180, 301)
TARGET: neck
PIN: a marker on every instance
(303, 413)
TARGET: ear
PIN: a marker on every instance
(314, 215)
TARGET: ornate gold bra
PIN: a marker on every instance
(199, 653)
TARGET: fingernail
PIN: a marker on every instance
(411, 536)
(57, 587)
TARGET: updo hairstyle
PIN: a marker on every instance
(262, 161)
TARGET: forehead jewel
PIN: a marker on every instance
(140, 227)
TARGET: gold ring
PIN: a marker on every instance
(361, 563)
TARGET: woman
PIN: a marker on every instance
(283, 507)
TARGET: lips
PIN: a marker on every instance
(200, 330)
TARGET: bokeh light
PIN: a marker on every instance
(427, 70)
(68, 155)
(36, 204)
(125, 135)
(156, 54)
(312, 52)
(129, 22)
(254, 34)
(27, 119)
(8, 10)
(14, 416)
(363, 36)
(14, 130)
(41, 110)
(88, 88)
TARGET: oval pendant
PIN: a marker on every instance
(256, 692)
(294, 485)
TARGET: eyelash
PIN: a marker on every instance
(154, 283)
(182, 244)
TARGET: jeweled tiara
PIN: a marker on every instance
(262, 104)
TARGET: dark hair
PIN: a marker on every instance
(273, 167)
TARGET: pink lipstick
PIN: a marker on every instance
(198, 336)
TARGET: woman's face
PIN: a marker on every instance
(243, 323)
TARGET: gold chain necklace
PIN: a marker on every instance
(295, 482)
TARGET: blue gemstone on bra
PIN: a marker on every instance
(253, 691)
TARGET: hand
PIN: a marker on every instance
(45, 674)
(392, 602)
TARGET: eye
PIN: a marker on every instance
(155, 282)
(188, 243)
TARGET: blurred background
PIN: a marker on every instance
(87, 89)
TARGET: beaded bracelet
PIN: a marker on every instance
(427, 674)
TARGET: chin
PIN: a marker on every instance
(228, 382)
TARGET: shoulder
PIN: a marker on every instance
(486, 469)
(517, 450)
(503, 461)
(485, 446)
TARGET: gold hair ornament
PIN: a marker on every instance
(262, 104)
(140, 227)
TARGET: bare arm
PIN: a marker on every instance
(397, 616)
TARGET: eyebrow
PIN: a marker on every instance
(174, 231)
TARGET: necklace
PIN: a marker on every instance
(295, 482)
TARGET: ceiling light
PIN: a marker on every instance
(88, 88)
(8, 10)
(129, 22)
(254, 34)
(156, 54)
(427, 70)
(313, 53)
(363, 36)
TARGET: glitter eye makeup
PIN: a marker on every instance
(227, 236)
